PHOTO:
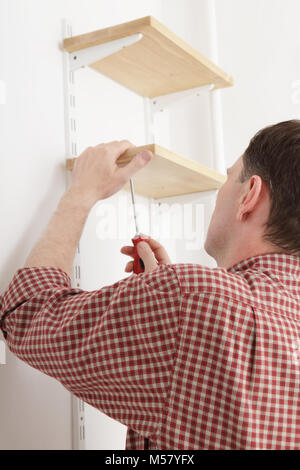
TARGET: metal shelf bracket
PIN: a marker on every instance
(160, 103)
(93, 54)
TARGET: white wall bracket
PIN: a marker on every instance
(93, 54)
(160, 103)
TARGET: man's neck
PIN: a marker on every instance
(244, 250)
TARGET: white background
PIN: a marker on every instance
(259, 44)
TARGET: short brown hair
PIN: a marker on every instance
(274, 155)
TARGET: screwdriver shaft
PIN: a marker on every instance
(133, 205)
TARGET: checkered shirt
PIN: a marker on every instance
(187, 357)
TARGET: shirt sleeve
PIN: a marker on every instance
(114, 347)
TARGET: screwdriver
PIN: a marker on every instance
(138, 264)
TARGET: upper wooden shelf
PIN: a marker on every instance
(168, 174)
(158, 64)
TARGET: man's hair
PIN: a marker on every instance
(274, 155)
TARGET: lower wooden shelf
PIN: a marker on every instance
(168, 174)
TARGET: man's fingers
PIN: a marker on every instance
(146, 254)
(151, 252)
(136, 164)
(117, 146)
(120, 147)
(129, 267)
(127, 250)
(159, 251)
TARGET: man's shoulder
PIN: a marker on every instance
(258, 287)
(198, 279)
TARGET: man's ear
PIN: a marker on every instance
(250, 197)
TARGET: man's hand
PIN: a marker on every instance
(152, 255)
(96, 174)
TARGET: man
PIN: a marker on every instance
(188, 357)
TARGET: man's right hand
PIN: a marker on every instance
(152, 254)
(97, 176)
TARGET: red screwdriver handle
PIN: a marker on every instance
(138, 265)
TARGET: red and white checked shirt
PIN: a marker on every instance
(188, 357)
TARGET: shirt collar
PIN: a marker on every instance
(281, 262)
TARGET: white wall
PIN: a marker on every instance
(34, 409)
(258, 45)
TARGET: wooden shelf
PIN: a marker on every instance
(168, 174)
(160, 63)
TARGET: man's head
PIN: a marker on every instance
(258, 208)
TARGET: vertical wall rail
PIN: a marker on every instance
(71, 142)
(149, 139)
(149, 121)
(2, 352)
(215, 96)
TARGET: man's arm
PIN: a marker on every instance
(95, 176)
(57, 245)
(115, 347)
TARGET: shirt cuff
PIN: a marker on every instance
(28, 281)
